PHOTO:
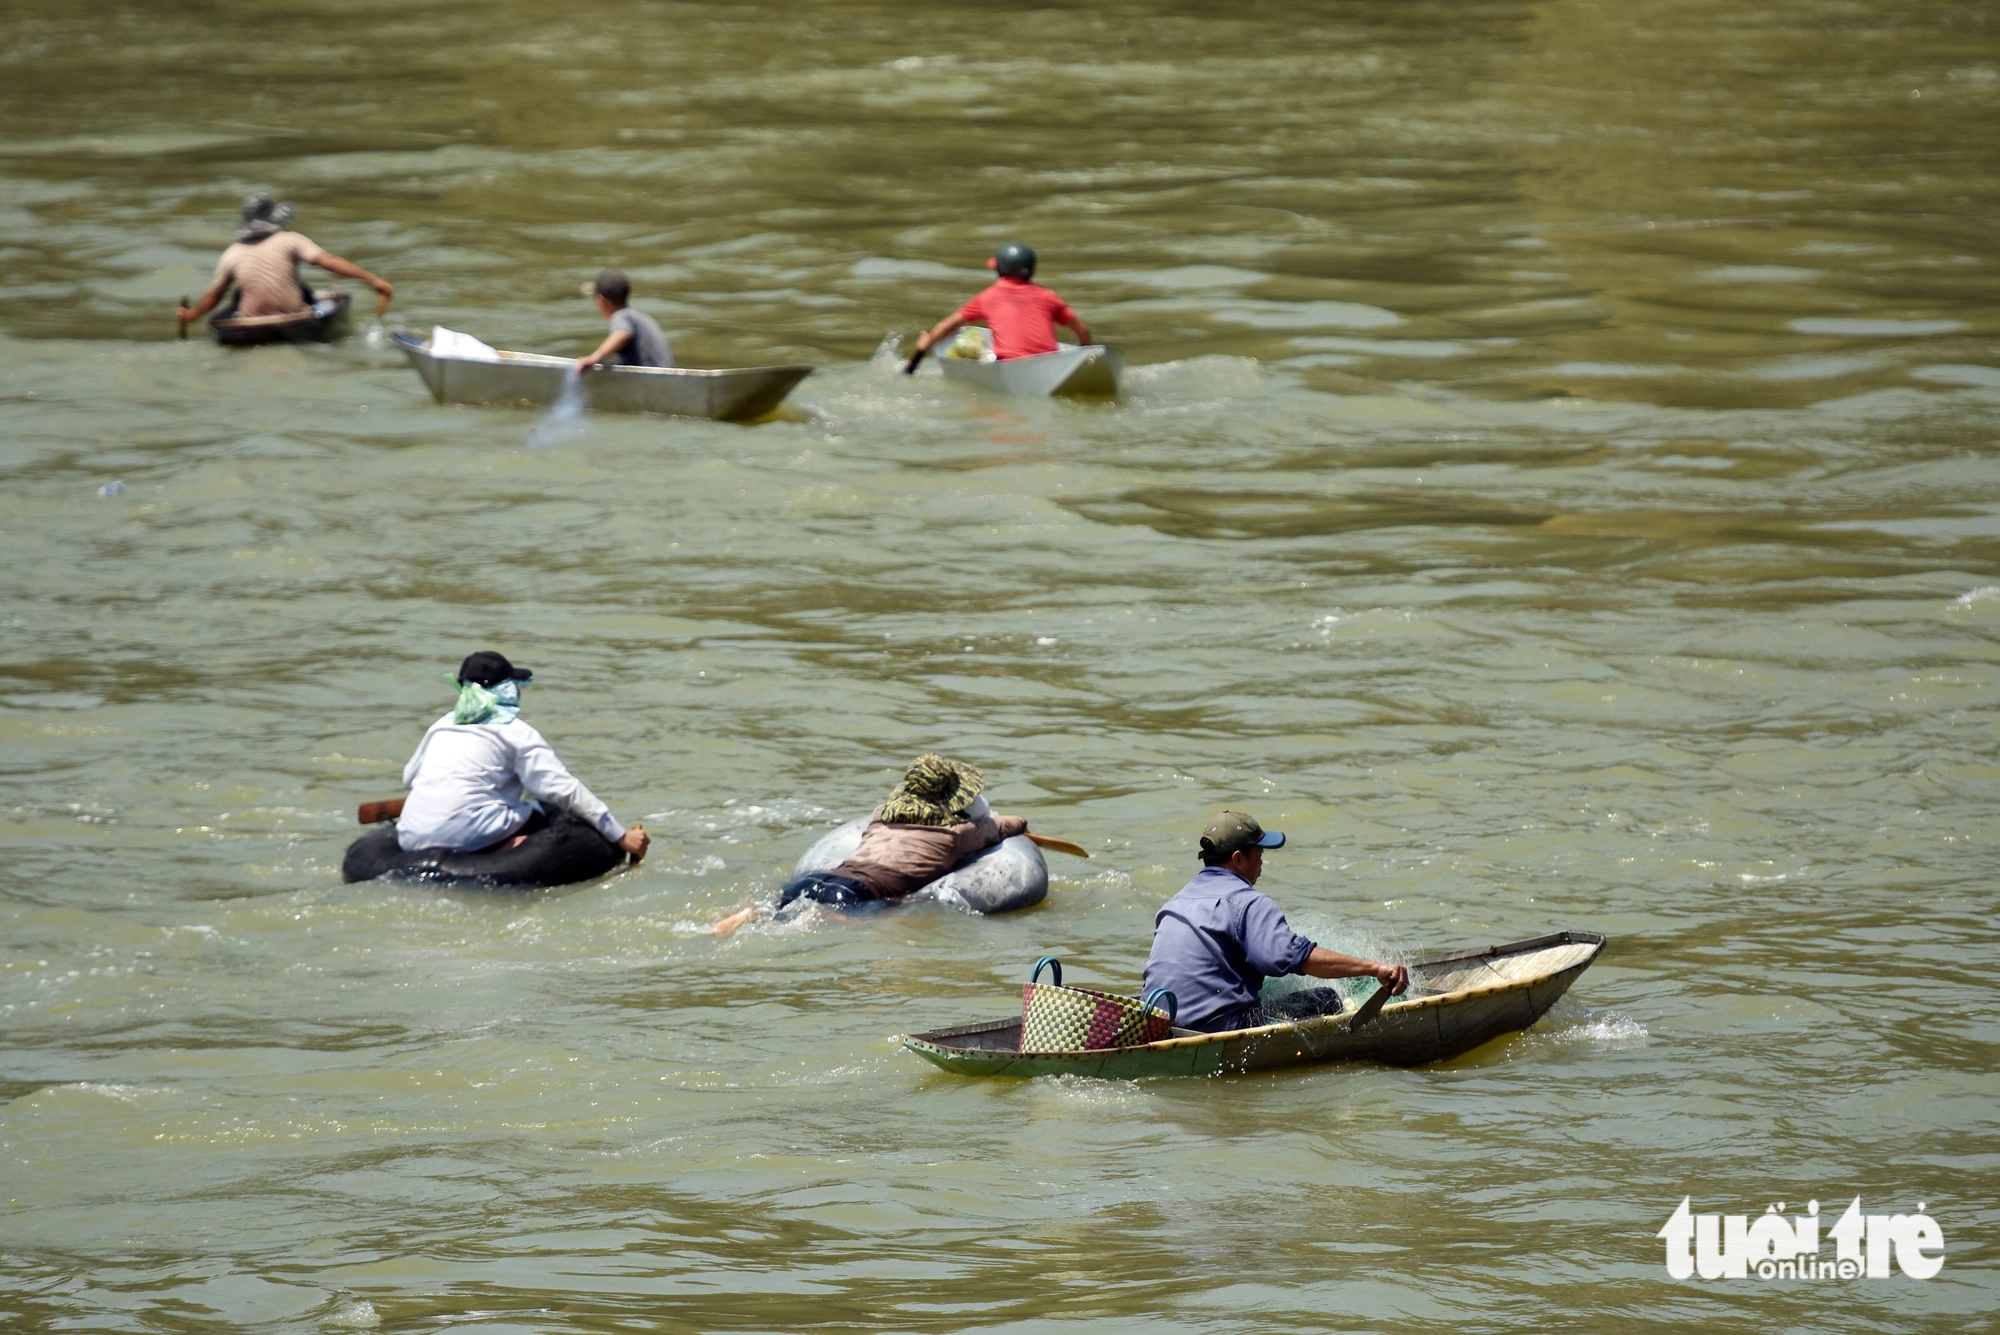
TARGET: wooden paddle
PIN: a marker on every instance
(374, 813)
(183, 323)
(910, 366)
(1370, 1008)
(1061, 845)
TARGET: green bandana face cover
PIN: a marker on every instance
(477, 704)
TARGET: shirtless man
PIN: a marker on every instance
(1022, 314)
(263, 264)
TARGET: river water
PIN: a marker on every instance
(1556, 486)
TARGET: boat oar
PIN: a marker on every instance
(374, 813)
(1061, 845)
(183, 323)
(1370, 1008)
(910, 366)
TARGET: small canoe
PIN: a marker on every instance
(532, 380)
(322, 322)
(1455, 1003)
(1090, 371)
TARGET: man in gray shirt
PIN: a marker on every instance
(635, 338)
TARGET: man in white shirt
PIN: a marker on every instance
(472, 772)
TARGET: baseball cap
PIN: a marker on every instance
(489, 669)
(1233, 830)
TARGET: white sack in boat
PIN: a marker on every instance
(459, 347)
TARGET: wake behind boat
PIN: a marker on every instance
(533, 380)
(1455, 1003)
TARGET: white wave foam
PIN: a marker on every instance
(122, 1093)
(1090, 1092)
(356, 1316)
(1978, 595)
(1615, 1030)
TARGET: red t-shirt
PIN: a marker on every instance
(1022, 316)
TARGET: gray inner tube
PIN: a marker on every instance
(1008, 876)
(563, 852)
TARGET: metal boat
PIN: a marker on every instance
(1454, 1004)
(1090, 371)
(324, 321)
(530, 379)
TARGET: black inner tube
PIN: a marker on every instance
(562, 852)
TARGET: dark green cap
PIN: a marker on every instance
(1232, 830)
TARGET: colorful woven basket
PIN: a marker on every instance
(1055, 1018)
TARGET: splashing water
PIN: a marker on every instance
(377, 337)
(564, 419)
(359, 1315)
(1345, 938)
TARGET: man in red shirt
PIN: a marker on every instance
(1022, 315)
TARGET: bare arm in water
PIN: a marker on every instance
(332, 263)
(728, 926)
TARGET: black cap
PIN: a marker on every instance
(489, 669)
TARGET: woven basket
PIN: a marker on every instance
(1055, 1018)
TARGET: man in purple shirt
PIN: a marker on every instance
(1216, 941)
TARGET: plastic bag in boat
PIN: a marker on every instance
(459, 347)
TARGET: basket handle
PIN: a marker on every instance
(1151, 1001)
(1051, 962)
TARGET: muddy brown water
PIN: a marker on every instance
(1555, 486)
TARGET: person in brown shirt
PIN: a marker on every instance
(933, 820)
(263, 266)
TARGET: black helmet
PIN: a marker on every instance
(1014, 260)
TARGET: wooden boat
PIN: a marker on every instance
(1454, 1004)
(1090, 371)
(324, 321)
(530, 379)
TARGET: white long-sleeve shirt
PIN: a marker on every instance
(468, 785)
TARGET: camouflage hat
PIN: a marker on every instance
(934, 791)
(1233, 831)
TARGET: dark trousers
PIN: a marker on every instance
(1310, 1004)
(826, 888)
